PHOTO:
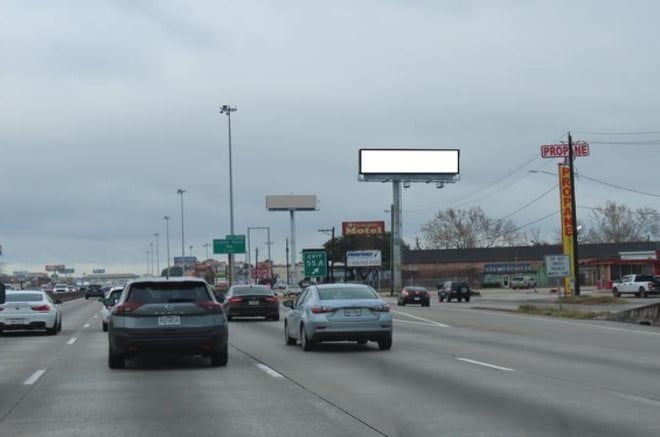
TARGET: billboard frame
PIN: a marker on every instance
(409, 177)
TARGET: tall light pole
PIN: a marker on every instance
(191, 248)
(157, 254)
(151, 251)
(206, 246)
(148, 261)
(167, 233)
(180, 191)
(226, 109)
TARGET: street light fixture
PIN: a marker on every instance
(226, 109)
(167, 233)
(180, 191)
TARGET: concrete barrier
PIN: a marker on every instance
(65, 297)
(646, 315)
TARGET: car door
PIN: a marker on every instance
(297, 313)
(626, 284)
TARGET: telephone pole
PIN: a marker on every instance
(576, 264)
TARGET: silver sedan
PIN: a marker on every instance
(30, 310)
(338, 312)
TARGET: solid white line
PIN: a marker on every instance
(414, 322)
(479, 363)
(34, 378)
(72, 340)
(269, 371)
(440, 325)
(86, 325)
(96, 316)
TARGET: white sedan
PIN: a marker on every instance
(30, 310)
(111, 299)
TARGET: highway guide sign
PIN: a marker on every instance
(557, 266)
(363, 258)
(580, 148)
(315, 262)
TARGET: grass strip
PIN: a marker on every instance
(556, 312)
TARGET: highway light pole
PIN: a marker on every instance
(183, 251)
(157, 254)
(167, 233)
(151, 251)
(226, 109)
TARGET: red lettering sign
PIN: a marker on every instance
(363, 228)
(580, 148)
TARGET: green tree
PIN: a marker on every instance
(353, 242)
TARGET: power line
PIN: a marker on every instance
(531, 202)
(650, 132)
(628, 143)
(619, 186)
(534, 221)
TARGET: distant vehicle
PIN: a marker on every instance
(251, 301)
(8, 287)
(177, 315)
(30, 310)
(110, 300)
(459, 290)
(639, 285)
(414, 295)
(522, 282)
(94, 290)
(61, 288)
(338, 312)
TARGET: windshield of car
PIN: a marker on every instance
(244, 291)
(164, 292)
(24, 297)
(347, 293)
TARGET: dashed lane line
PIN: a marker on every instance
(480, 363)
(269, 371)
(35, 377)
(72, 340)
(432, 322)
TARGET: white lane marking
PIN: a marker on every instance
(414, 322)
(479, 363)
(438, 324)
(96, 316)
(72, 340)
(34, 378)
(86, 325)
(269, 371)
(561, 322)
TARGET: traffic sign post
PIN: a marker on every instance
(558, 266)
(315, 262)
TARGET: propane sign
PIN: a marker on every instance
(580, 148)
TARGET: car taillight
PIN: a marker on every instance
(127, 307)
(321, 310)
(235, 299)
(272, 299)
(650, 285)
(210, 306)
(383, 309)
(41, 308)
(404, 293)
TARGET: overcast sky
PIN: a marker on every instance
(108, 107)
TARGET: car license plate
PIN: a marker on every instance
(417, 298)
(352, 312)
(169, 320)
(253, 302)
(16, 321)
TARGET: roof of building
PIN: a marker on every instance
(522, 253)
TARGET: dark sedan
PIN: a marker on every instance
(251, 301)
(94, 290)
(415, 295)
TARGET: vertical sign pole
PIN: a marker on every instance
(396, 234)
(294, 273)
(576, 264)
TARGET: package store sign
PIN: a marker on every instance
(557, 266)
(315, 262)
(508, 268)
(54, 267)
(580, 148)
(363, 228)
(565, 193)
(363, 258)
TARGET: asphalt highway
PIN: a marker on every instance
(452, 371)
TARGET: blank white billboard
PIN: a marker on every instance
(409, 161)
(291, 202)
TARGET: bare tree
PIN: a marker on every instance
(461, 229)
(534, 237)
(616, 223)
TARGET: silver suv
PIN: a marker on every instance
(177, 315)
(522, 282)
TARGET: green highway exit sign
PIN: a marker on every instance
(230, 244)
(315, 262)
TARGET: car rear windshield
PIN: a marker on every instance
(416, 289)
(244, 291)
(163, 292)
(24, 297)
(347, 293)
(641, 278)
(459, 285)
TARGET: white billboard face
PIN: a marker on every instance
(291, 202)
(363, 258)
(409, 161)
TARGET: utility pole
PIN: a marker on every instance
(256, 265)
(576, 264)
(157, 235)
(167, 233)
(287, 262)
(227, 109)
(183, 251)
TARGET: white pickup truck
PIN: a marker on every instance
(639, 285)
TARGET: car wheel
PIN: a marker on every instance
(467, 299)
(385, 343)
(59, 326)
(229, 317)
(105, 327)
(290, 341)
(398, 302)
(615, 292)
(86, 297)
(403, 303)
(115, 360)
(426, 304)
(440, 299)
(305, 342)
(362, 342)
(275, 318)
(219, 358)
(53, 330)
(642, 292)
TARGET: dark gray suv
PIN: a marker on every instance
(176, 315)
(459, 290)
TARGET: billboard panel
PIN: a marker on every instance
(409, 161)
(54, 267)
(363, 228)
(185, 261)
(363, 258)
(291, 202)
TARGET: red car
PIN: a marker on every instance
(416, 295)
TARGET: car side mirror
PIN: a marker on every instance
(220, 297)
(288, 303)
(3, 293)
(58, 301)
(109, 302)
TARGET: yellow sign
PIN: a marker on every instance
(567, 231)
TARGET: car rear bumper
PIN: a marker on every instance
(254, 311)
(27, 321)
(346, 331)
(412, 300)
(181, 343)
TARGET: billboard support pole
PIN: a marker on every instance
(294, 273)
(396, 234)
